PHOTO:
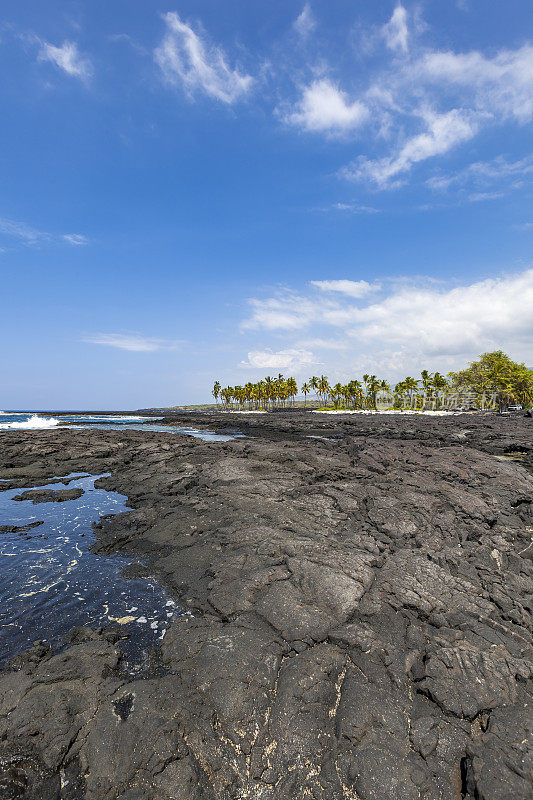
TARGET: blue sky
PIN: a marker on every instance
(210, 189)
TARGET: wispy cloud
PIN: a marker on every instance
(480, 197)
(20, 230)
(75, 238)
(417, 104)
(325, 344)
(129, 40)
(349, 288)
(305, 22)
(354, 208)
(293, 359)
(293, 311)
(133, 342)
(485, 178)
(501, 86)
(442, 133)
(68, 59)
(185, 59)
(324, 107)
(285, 311)
(30, 236)
(396, 31)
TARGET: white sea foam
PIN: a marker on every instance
(33, 422)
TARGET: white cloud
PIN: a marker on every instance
(483, 174)
(125, 37)
(447, 324)
(67, 58)
(442, 133)
(396, 32)
(458, 320)
(185, 59)
(32, 237)
(501, 86)
(479, 197)
(22, 231)
(305, 22)
(293, 359)
(349, 288)
(354, 208)
(324, 107)
(325, 344)
(287, 311)
(131, 341)
(75, 238)
(417, 108)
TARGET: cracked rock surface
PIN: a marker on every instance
(360, 621)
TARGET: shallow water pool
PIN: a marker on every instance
(50, 581)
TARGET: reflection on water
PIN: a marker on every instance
(50, 582)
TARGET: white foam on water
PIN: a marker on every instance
(33, 423)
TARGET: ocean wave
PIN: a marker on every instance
(33, 422)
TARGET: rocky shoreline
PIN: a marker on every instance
(360, 620)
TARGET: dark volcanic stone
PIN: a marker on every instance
(19, 528)
(50, 495)
(361, 620)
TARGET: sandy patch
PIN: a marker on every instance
(388, 411)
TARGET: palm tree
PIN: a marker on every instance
(373, 386)
(439, 381)
(494, 372)
(255, 395)
(269, 389)
(440, 384)
(427, 384)
(323, 388)
(262, 394)
(248, 391)
(336, 394)
(355, 392)
(365, 381)
(411, 385)
(292, 387)
(227, 394)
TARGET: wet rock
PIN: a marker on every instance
(50, 495)
(20, 528)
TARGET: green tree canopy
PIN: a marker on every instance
(496, 373)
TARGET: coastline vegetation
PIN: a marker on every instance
(494, 375)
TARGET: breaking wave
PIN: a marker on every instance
(33, 422)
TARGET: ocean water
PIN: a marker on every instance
(50, 581)
(17, 420)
